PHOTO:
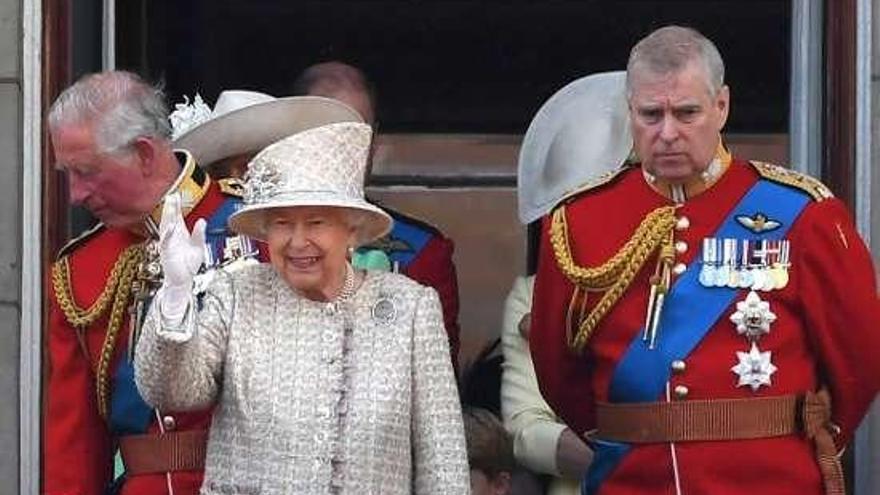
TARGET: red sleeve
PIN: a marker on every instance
(840, 307)
(434, 267)
(76, 444)
(562, 376)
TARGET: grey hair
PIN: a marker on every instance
(120, 106)
(355, 219)
(669, 50)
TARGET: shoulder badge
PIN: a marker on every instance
(79, 240)
(231, 187)
(782, 175)
(594, 183)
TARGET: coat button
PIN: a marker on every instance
(169, 423)
(681, 247)
(679, 268)
(678, 366)
(683, 223)
(681, 391)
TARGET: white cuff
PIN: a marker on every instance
(535, 446)
(175, 314)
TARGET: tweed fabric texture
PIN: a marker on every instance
(323, 166)
(313, 397)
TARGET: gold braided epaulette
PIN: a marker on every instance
(114, 297)
(788, 177)
(594, 183)
(78, 240)
(612, 277)
(231, 187)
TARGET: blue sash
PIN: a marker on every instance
(689, 312)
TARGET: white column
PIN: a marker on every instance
(31, 276)
(867, 441)
(805, 114)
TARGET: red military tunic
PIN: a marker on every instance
(825, 334)
(78, 447)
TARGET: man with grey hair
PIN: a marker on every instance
(111, 137)
(714, 333)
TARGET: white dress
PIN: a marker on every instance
(312, 398)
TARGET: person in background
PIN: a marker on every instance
(695, 286)
(327, 378)
(490, 453)
(416, 249)
(541, 442)
(579, 134)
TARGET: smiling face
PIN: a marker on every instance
(110, 186)
(308, 246)
(676, 121)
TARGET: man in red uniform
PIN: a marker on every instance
(110, 134)
(413, 247)
(691, 311)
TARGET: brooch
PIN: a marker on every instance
(384, 310)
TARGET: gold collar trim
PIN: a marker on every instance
(192, 183)
(681, 192)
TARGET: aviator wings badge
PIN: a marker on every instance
(758, 223)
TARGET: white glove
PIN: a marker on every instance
(181, 255)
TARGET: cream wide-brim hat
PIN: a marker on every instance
(247, 121)
(321, 167)
(579, 134)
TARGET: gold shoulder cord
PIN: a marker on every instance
(118, 289)
(616, 274)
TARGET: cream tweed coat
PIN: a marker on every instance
(313, 398)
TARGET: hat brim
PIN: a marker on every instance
(250, 129)
(251, 220)
(581, 132)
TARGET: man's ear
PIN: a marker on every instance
(722, 100)
(145, 152)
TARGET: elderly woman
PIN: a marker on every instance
(326, 379)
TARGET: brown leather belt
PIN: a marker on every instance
(172, 451)
(728, 419)
(696, 420)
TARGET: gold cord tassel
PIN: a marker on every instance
(660, 283)
(117, 290)
(615, 275)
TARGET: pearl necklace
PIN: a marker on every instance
(346, 292)
(348, 285)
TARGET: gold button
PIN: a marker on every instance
(679, 268)
(678, 366)
(681, 391)
(169, 423)
(682, 223)
(681, 247)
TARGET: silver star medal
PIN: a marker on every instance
(754, 368)
(752, 320)
(753, 317)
